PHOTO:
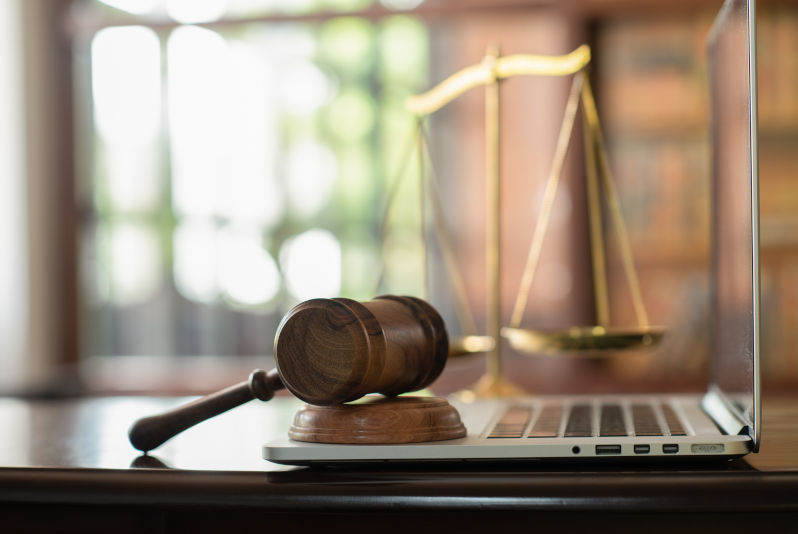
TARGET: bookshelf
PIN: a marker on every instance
(649, 73)
(652, 86)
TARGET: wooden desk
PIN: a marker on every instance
(67, 467)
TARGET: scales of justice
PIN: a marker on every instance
(333, 351)
(595, 341)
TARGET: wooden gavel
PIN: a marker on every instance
(328, 351)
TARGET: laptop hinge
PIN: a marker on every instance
(716, 407)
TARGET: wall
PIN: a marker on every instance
(13, 224)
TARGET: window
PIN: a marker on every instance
(238, 168)
(234, 158)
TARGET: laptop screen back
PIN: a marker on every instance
(735, 256)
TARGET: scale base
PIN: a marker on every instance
(490, 387)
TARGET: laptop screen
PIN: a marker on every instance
(735, 257)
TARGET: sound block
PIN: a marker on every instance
(379, 420)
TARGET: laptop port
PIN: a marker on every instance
(670, 448)
(707, 448)
(608, 449)
(642, 449)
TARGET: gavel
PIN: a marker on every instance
(327, 352)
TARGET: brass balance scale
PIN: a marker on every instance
(596, 341)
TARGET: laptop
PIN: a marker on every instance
(726, 420)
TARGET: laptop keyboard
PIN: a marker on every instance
(579, 422)
(513, 423)
(547, 424)
(644, 420)
(612, 423)
(672, 421)
(586, 420)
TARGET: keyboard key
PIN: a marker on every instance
(547, 425)
(512, 423)
(612, 423)
(674, 424)
(644, 421)
(580, 421)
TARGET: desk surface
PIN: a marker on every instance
(73, 458)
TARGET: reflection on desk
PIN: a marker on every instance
(92, 433)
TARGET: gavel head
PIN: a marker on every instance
(330, 351)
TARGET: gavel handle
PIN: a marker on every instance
(149, 432)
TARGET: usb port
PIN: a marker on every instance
(670, 448)
(608, 449)
(642, 449)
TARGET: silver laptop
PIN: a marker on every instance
(726, 420)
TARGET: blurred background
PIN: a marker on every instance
(176, 174)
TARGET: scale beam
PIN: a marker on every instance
(493, 69)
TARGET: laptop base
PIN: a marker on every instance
(691, 435)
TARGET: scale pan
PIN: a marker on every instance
(589, 340)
